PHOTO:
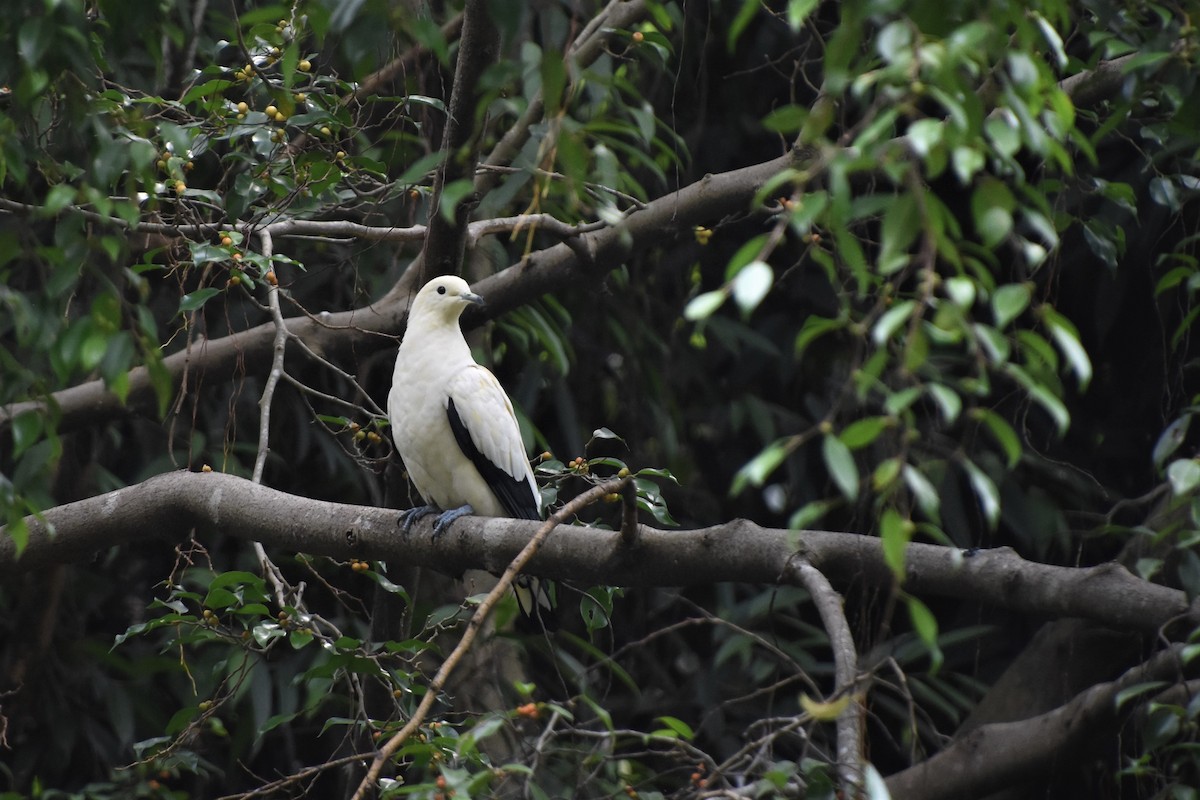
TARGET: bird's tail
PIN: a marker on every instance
(536, 601)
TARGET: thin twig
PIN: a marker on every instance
(845, 668)
(272, 572)
(482, 612)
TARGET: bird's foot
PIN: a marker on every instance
(446, 517)
(410, 517)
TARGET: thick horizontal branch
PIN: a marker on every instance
(176, 503)
(1005, 754)
(588, 258)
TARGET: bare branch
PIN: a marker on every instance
(1009, 753)
(446, 241)
(850, 759)
(173, 504)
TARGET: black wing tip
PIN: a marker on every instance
(515, 495)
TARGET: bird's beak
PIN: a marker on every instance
(473, 299)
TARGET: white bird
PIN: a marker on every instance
(454, 426)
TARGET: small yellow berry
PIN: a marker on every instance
(226, 240)
(180, 187)
(243, 107)
(270, 111)
(206, 468)
(299, 97)
(638, 36)
(304, 66)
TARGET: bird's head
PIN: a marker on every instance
(443, 299)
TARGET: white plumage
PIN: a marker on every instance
(452, 422)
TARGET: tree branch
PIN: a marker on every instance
(171, 505)
(845, 668)
(359, 332)
(446, 242)
(434, 690)
(1009, 753)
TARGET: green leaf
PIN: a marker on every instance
(840, 463)
(891, 320)
(1184, 475)
(1067, 338)
(1002, 432)
(961, 291)
(756, 471)
(862, 432)
(1009, 302)
(798, 11)
(924, 135)
(59, 197)
(814, 328)
(704, 305)
(947, 400)
(748, 252)
(1042, 396)
(785, 120)
(986, 491)
(967, 161)
(1137, 690)
(26, 429)
(896, 532)
(992, 204)
(746, 13)
(901, 224)
(927, 497)
(554, 80)
(675, 728)
(453, 193)
(926, 627)
(1170, 440)
(196, 299)
(751, 285)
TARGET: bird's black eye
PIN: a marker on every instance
(441, 290)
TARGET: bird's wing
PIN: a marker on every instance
(487, 432)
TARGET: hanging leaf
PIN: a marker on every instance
(986, 491)
(840, 463)
(751, 285)
(196, 299)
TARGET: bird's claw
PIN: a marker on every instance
(442, 523)
(411, 516)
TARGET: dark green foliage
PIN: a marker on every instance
(964, 316)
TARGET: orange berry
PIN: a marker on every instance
(270, 277)
(638, 36)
